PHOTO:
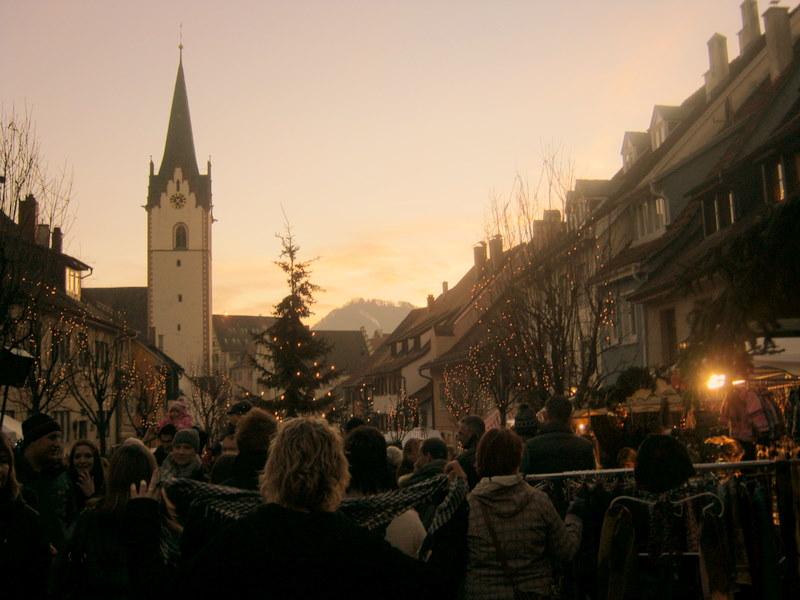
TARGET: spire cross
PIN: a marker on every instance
(180, 44)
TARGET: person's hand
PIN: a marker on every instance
(146, 490)
(86, 483)
(150, 435)
(453, 469)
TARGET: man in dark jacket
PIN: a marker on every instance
(430, 464)
(555, 448)
(40, 469)
(470, 431)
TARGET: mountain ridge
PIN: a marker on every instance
(372, 314)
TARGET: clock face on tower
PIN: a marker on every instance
(178, 200)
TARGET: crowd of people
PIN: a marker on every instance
(297, 509)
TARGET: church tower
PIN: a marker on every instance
(179, 245)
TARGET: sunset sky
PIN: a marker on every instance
(383, 128)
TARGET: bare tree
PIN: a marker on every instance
(49, 342)
(463, 392)
(209, 401)
(28, 279)
(101, 380)
(403, 417)
(547, 307)
(147, 397)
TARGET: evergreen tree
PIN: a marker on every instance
(290, 358)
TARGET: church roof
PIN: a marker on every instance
(179, 151)
(179, 148)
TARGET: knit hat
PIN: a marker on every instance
(179, 405)
(240, 408)
(38, 426)
(187, 436)
(526, 422)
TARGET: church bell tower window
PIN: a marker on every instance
(180, 237)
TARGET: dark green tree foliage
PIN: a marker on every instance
(290, 358)
(628, 382)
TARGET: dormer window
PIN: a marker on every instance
(73, 283)
(651, 217)
(634, 145)
(663, 122)
(719, 211)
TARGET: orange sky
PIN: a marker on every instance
(382, 128)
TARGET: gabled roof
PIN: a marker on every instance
(637, 139)
(669, 113)
(130, 301)
(348, 349)
(390, 365)
(234, 333)
(444, 312)
(590, 188)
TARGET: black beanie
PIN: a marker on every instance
(38, 426)
(662, 464)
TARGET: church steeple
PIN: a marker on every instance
(179, 155)
(179, 149)
(179, 223)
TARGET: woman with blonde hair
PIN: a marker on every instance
(297, 545)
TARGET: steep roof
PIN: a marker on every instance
(130, 301)
(179, 151)
(234, 333)
(348, 349)
(179, 148)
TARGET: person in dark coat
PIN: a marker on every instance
(25, 552)
(93, 565)
(253, 436)
(85, 469)
(526, 425)
(431, 463)
(41, 469)
(555, 448)
(165, 437)
(470, 431)
(297, 545)
(184, 461)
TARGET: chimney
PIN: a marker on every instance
(779, 40)
(751, 27)
(43, 235)
(431, 300)
(57, 239)
(717, 62)
(28, 217)
(445, 287)
(496, 250)
(552, 215)
(479, 251)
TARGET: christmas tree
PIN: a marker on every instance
(290, 358)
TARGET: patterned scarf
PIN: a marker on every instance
(169, 469)
(221, 504)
